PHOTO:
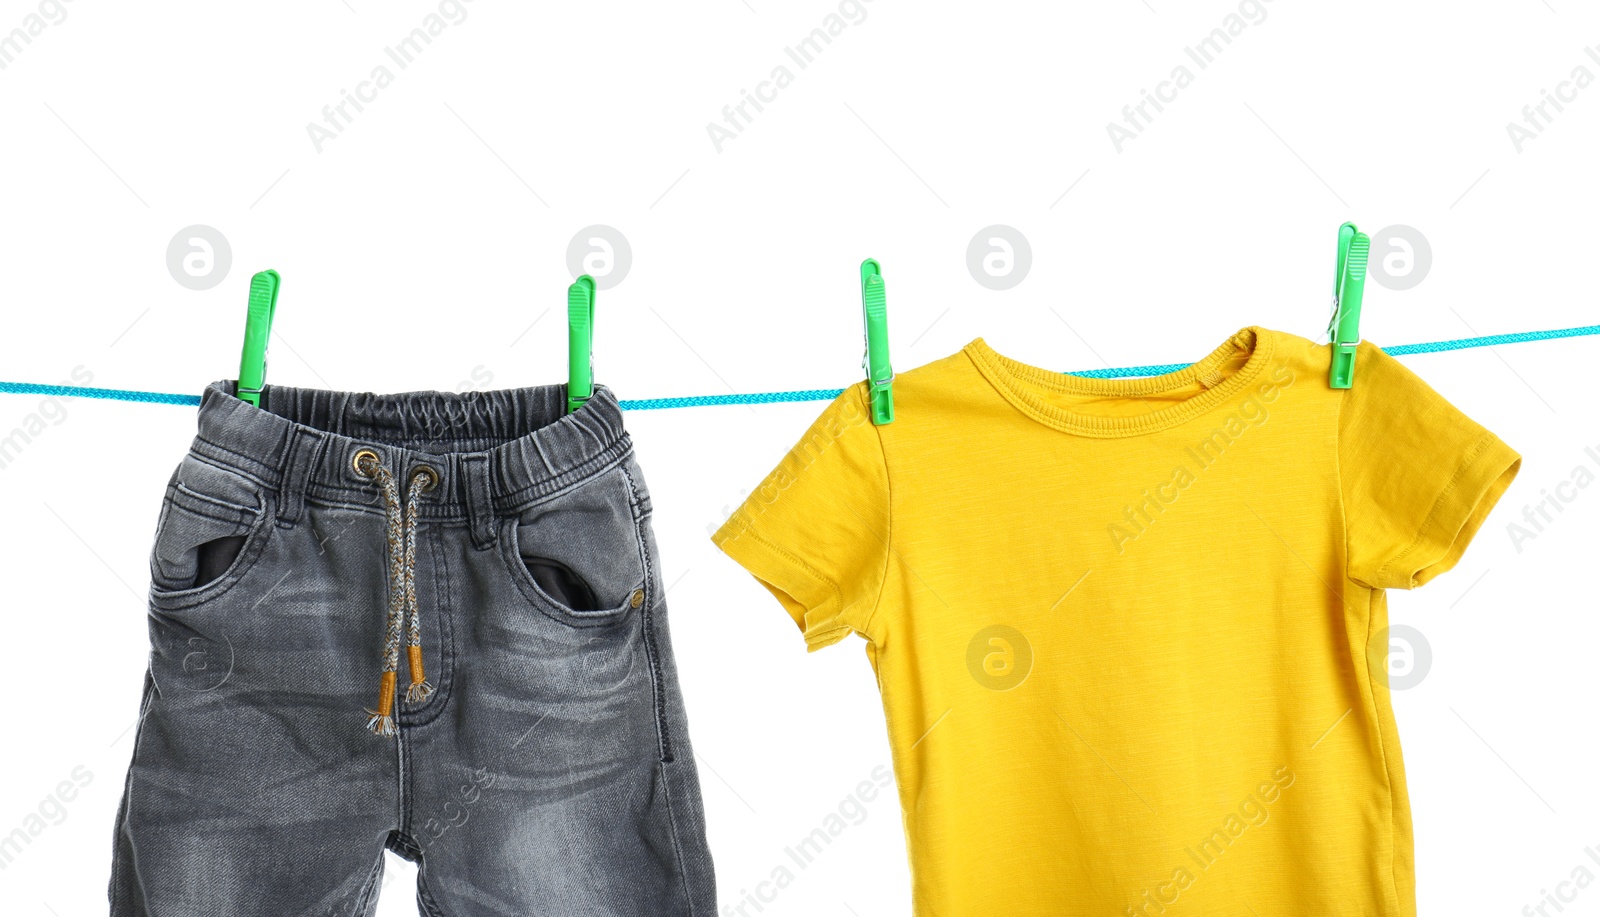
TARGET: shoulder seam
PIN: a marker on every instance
(1338, 479)
(888, 525)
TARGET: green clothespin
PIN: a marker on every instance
(875, 313)
(257, 329)
(1349, 283)
(580, 342)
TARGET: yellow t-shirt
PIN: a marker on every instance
(1130, 634)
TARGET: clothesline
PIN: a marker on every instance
(815, 394)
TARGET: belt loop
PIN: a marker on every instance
(305, 448)
(479, 499)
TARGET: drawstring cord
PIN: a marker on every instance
(404, 613)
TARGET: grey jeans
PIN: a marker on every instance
(546, 768)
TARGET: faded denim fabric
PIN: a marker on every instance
(550, 773)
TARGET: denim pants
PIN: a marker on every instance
(481, 568)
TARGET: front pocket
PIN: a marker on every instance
(593, 598)
(212, 523)
(579, 557)
(557, 580)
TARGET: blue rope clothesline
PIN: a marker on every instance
(815, 394)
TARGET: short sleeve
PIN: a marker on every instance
(816, 532)
(1418, 476)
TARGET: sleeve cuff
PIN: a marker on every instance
(810, 598)
(1460, 511)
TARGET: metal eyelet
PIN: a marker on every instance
(429, 478)
(365, 462)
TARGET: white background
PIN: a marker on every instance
(419, 246)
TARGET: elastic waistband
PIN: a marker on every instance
(496, 450)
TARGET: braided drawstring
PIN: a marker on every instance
(404, 613)
(420, 690)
